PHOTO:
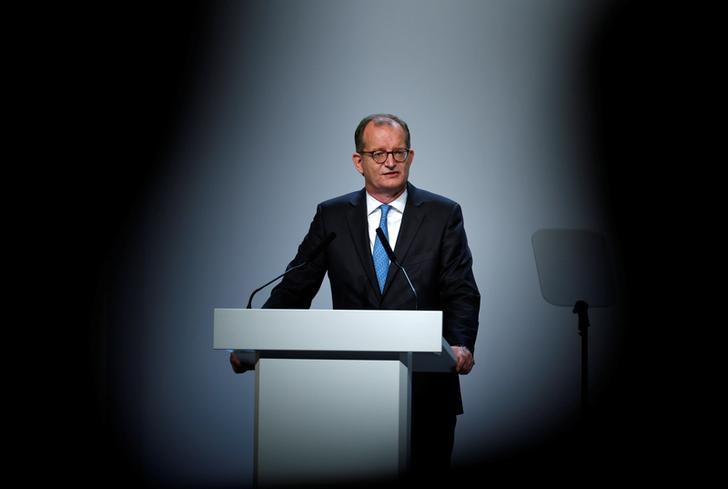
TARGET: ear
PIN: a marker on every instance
(356, 158)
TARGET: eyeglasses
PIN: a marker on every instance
(399, 155)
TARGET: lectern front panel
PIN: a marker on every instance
(330, 420)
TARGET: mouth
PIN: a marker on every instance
(390, 173)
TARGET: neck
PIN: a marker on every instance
(386, 197)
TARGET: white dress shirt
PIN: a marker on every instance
(394, 218)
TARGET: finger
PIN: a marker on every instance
(469, 360)
(461, 361)
(237, 364)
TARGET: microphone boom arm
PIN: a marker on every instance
(410, 283)
(388, 249)
(250, 299)
(308, 258)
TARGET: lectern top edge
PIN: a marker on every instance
(328, 330)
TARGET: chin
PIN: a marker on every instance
(393, 184)
(392, 189)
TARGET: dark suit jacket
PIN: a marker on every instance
(431, 246)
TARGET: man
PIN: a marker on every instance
(427, 235)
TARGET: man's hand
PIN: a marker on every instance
(239, 365)
(464, 359)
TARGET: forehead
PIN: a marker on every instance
(382, 134)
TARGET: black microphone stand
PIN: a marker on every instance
(581, 309)
(393, 258)
(307, 259)
(250, 299)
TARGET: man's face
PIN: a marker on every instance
(385, 181)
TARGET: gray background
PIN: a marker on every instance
(496, 97)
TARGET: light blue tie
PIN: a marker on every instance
(381, 260)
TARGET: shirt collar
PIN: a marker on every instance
(397, 204)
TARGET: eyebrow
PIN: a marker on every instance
(400, 148)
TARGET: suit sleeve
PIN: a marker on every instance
(459, 293)
(298, 288)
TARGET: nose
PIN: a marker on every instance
(389, 162)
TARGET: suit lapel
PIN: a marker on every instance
(358, 227)
(411, 221)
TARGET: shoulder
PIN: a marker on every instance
(421, 197)
(343, 201)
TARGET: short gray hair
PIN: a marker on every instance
(379, 119)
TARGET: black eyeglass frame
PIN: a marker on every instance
(386, 154)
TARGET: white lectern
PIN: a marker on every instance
(333, 388)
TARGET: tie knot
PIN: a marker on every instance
(383, 219)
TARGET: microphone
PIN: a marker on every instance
(308, 258)
(393, 259)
